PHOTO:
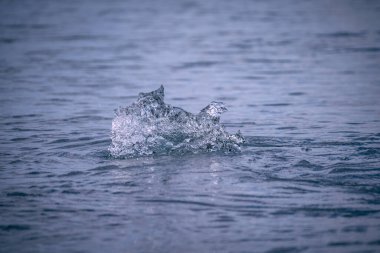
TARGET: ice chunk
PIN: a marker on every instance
(151, 127)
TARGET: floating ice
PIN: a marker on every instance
(151, 127)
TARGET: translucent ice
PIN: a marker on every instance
(151, 127)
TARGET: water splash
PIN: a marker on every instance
(151, 127)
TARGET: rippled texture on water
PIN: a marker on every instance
(300, 80)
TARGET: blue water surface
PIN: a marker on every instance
(301, 82)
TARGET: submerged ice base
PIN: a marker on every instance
(151, 127)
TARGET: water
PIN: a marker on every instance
(300, 80)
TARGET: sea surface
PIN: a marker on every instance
(300, 79)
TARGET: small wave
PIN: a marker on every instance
(17, 194)
(278, 104)
(296, 93)
(72, 173)
(363, 49)
(197, 64)
(309, 165)
(151, 127)
(16, 227)
(343, 34)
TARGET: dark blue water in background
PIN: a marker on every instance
(301, 81)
